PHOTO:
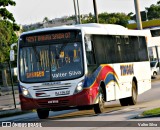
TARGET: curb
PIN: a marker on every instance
(12, 112)
(149, 116)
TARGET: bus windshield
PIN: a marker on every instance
(51, 62)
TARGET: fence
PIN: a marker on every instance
(9, 96)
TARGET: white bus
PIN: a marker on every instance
(81, 66)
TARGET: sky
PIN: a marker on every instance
(32, 11)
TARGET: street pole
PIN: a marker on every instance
(75, 9)
(146, 11)
(95, 11)
(138, 15)
(10, 70)
(79, 16)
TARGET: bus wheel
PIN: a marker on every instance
(123, 101)
(99, 107)
(42, 114)
(154, 73)
(133, 99)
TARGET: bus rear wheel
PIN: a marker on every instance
(99, 107)
(133, 99)
(124, 101)
(154, 73)
(130, 100)
(42, 114)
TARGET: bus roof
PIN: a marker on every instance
(94, 28)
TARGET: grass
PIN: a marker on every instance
(152, 112)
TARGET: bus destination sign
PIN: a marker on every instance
(48, 37)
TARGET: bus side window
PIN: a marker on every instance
(110, 49)
(89, 52)
(119, 49)
(125, 50)
(142, 50)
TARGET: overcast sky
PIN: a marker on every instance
(32, 11)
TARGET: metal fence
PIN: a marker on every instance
(9, 95)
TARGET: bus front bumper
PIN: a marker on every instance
(83, 98)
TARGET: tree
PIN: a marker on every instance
(118, 18)
(89, 19)
(4, 13)
(106, 18)
(103, 17)
(7, 29)
(45, 20)
(112, 18)
(153, 12)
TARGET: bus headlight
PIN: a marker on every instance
(25, 91)
(79, 87)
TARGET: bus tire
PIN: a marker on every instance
(99, 107)
(133, 99)
(42, 114)
(123, 101)
(154, 73)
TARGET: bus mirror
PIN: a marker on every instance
(89, 46)
(12, 57)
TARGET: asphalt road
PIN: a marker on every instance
(147, 100)
(113, 112)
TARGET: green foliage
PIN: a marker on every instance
(7, 29)
(89, 19)
(5, 3)
(112, 18)
(5, 14)
(45, 19)
(153, 12)
(118, 18)
(152, 112)
(7, 37)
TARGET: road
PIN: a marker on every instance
(149, 99)
(113, 112)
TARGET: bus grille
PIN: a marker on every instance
(40, 89)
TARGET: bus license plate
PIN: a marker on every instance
(53, 101)
(60, 93)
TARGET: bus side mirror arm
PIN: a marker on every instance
(12, 53)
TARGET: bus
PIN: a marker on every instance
(81, 66)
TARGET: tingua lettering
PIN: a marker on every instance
(127, 69)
